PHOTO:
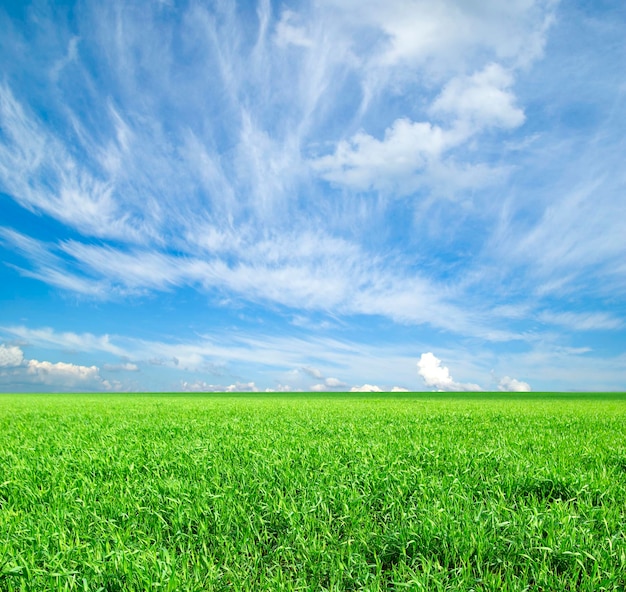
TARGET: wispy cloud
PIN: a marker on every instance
(289, 33)
(285, 356)
(308, 272)
(125, 367)
(65, 340)
(450, 170)
(590, 321)
(40, 172)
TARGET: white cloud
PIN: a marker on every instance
(222, 196)
(10, 356)
(174, 190)
(372, 388)
(448, 33)
(328, 384)
(366, 388)
(65, 375)
(481, 100)
(126, 367)
(437, 376)
(65, 60)
(559, 368)
(47, 337)
(313, 372)
(40, 172)
(282, 388)
(282, 353)
(513, 385)
(556, 367)
(334, 383)
(413, 154)
(62, 369)
(59, 376)
(288, 33)
(573, 247)
(242, 387)
(49, 267)
(439, 43)
(202, 386)
(311, 271)
(590, 321)
(364, 162)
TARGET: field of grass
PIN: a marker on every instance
(332, 492)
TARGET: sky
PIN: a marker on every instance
(328, 195)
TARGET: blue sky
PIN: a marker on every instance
(327, 195)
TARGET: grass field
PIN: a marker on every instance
(330, 492)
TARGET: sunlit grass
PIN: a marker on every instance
(414, 492)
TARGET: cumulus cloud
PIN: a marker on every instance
(373, 388)
(66, 375)
(329, 384)
(10, 356)
(414, 154)
(22, 372)
(481, 100)
(364, 162)
(438, 377)
(366, 388)
(62, 369)
(200, 386)
(242, 387)
(282, 388)
(513, 385)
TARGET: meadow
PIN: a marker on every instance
(301, 492)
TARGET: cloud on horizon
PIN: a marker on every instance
(32, 373)
(508, 384)
(438, 377)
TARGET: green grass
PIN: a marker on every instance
(335, 492)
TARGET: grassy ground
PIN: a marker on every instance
(410, 492)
